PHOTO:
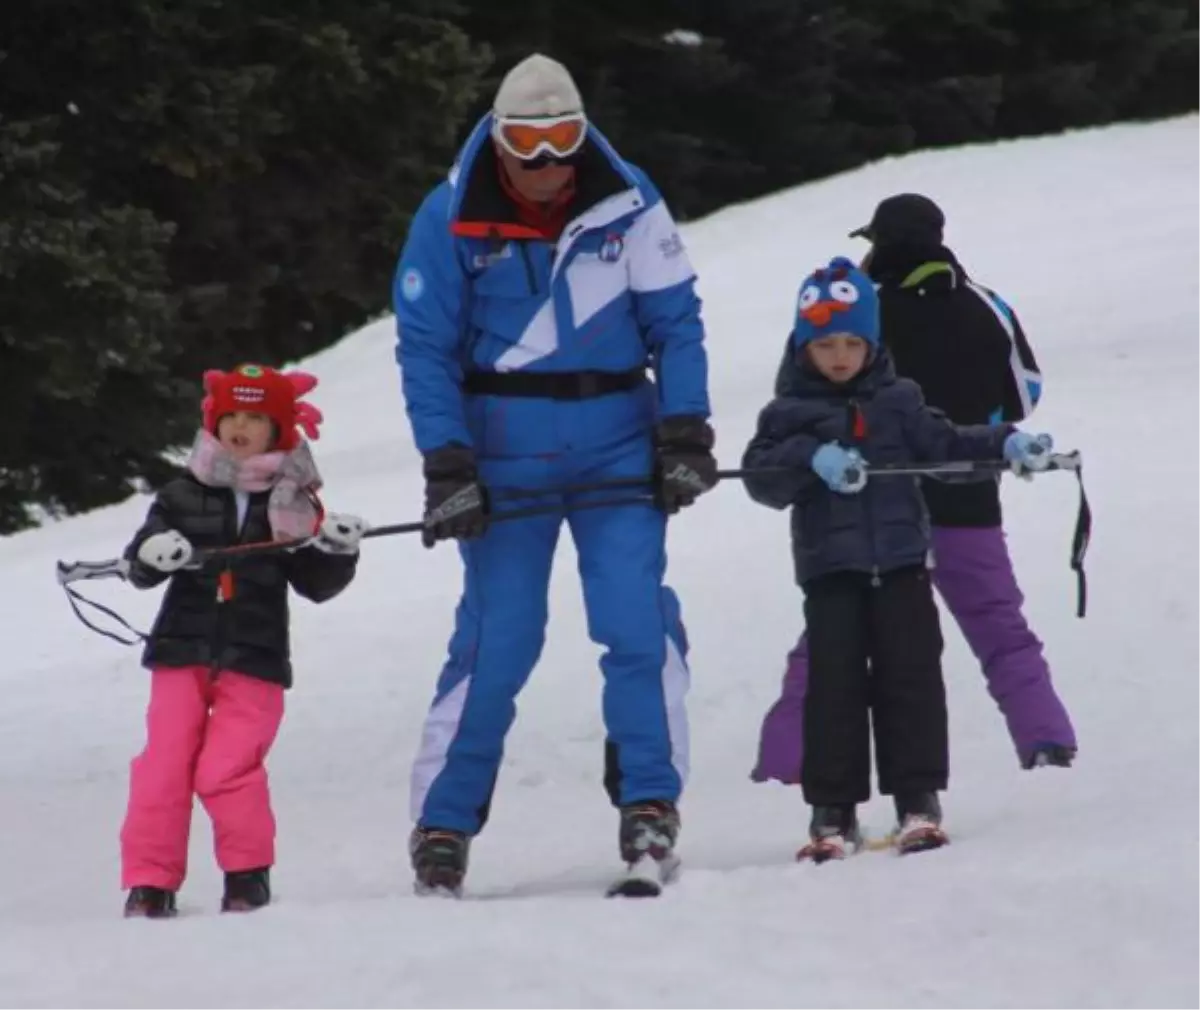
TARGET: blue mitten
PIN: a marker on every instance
(844, 470)
(1027, 452)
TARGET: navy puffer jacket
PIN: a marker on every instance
(886, 525)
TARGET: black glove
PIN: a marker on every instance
(685, 466)
(456, 505)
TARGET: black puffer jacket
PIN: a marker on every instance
(247, 633)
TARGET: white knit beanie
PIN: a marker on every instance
(537, 86)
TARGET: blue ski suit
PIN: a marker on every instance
(491, 318)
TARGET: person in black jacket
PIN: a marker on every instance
(219, 650)
(965, 347)
(861, 548)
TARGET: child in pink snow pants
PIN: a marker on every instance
(219, 650)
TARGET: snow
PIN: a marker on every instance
(1061, 888)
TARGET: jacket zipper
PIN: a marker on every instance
(530, 275)
(857, 414)
(225, 579)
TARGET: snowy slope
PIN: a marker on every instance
(1075, 888)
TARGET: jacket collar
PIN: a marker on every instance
(606, 189)
(805, 381)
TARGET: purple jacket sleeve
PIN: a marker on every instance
(933, 438)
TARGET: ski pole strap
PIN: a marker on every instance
(1080, 540)
(75, 571)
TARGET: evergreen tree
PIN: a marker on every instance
(85, 314)
(188, 184)
(193, 183)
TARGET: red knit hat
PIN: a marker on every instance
(262, 390)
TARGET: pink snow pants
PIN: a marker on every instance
(208, 736)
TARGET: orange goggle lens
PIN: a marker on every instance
(528, 138)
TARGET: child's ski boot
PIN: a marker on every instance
(150, 903)
(246, 890)
(919, 816)
(647, 837)
(439, 861)
(833, 834)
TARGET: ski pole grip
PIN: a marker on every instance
(74, 571)
(1066, 460)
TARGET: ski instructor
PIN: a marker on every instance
(538, 285)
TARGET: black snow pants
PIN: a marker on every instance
(875, 655)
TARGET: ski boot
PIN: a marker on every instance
(439, 860)
(833, 834)
(647, 836)
(919, 819)
(1049, 754)
(150, 903)
(246, 890)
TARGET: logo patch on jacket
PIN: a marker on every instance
(482, 261)
(671, 246)
(611, 248)
(412, 284)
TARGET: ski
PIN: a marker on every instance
(921, 839)
(646, 878)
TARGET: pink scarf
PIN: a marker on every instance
(291, 477)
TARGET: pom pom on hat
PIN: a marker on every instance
(263, 390)
(838, 298)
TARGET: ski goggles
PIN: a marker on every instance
(552, 136)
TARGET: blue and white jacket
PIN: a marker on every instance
(476, 290)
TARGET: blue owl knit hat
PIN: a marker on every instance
(838, 298)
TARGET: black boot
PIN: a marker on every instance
(1049, 754)
(924, 805)
(246, 890)
(829, 821)
(647, 836)
(833, 833)
(649, 828)
(919, 820)
(150, 903)
(439, 860)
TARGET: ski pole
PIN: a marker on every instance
(75, 571)
(1070, 461)
(521, 513)
(203, 557)
(1058, 461)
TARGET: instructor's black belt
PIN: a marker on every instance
(553, 385)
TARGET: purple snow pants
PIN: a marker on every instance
(974, 576)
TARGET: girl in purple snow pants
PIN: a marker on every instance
(974, 576)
